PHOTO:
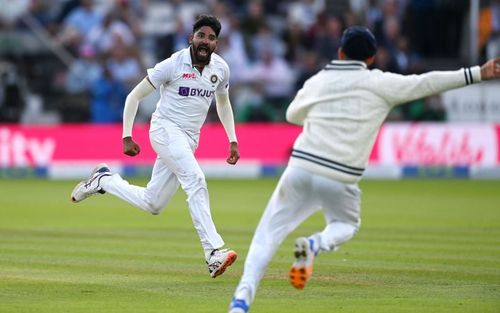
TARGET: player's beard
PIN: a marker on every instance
(202, 53)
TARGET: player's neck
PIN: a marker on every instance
(199, 67)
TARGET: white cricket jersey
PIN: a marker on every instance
(343, 106)
(185, 94)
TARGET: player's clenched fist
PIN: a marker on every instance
(491, 69)
(234, 153)
(130, 147)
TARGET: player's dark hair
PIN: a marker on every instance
(207, 20)
(358, 43)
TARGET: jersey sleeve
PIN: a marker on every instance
(397, 89)
(297, 111)
(161, 73)
(223, 87)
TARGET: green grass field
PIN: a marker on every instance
(424, 246)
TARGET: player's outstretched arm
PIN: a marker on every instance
(491, 69)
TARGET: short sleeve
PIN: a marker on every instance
(161, 73)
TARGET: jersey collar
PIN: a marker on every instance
(346, 65)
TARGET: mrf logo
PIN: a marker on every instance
(195, 92)
(189, 76)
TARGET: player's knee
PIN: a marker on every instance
(155, 202)
(154, 207)
(195, 182)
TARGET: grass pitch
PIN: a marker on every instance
(424, 246)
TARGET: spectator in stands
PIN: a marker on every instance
(408, 61)
(267, 41)
(78, 23)
(276, 79)
(373, 14)
(124, 66)
(307, 67)
(63, 8)
(130, 12)
(103, 35)
(83, 72)
(12, 100)
(327, 39)
(39, 11)
(389, 9)
(166, 44)
(250, 24)
(425, 110)
(295, 40)
(304, 12)
(107, 98)
(220, 9)
(493, 44)
(233, 50)
(384, 61)
(391, 33)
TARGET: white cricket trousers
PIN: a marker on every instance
(298, 195)
(174, 165)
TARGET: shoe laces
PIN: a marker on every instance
(217, 252)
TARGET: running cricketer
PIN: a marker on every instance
(188, 81)
(341, 109)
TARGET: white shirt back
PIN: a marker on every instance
(343, 106)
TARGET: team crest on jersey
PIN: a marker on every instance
(190, 76)
(213, 79)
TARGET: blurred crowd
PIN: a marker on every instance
(76, 60)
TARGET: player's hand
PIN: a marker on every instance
(130, 147)
(234, 153)
(491, 69)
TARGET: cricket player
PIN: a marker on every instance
(341, 109)
(188, 82)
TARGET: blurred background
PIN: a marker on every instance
(67, 66)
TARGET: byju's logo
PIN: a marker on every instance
(195, 92)
(184, 91)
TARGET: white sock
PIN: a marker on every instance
(316, 242)
(243, 292)
(208, 253)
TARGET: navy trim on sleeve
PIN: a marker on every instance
(468, 76)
